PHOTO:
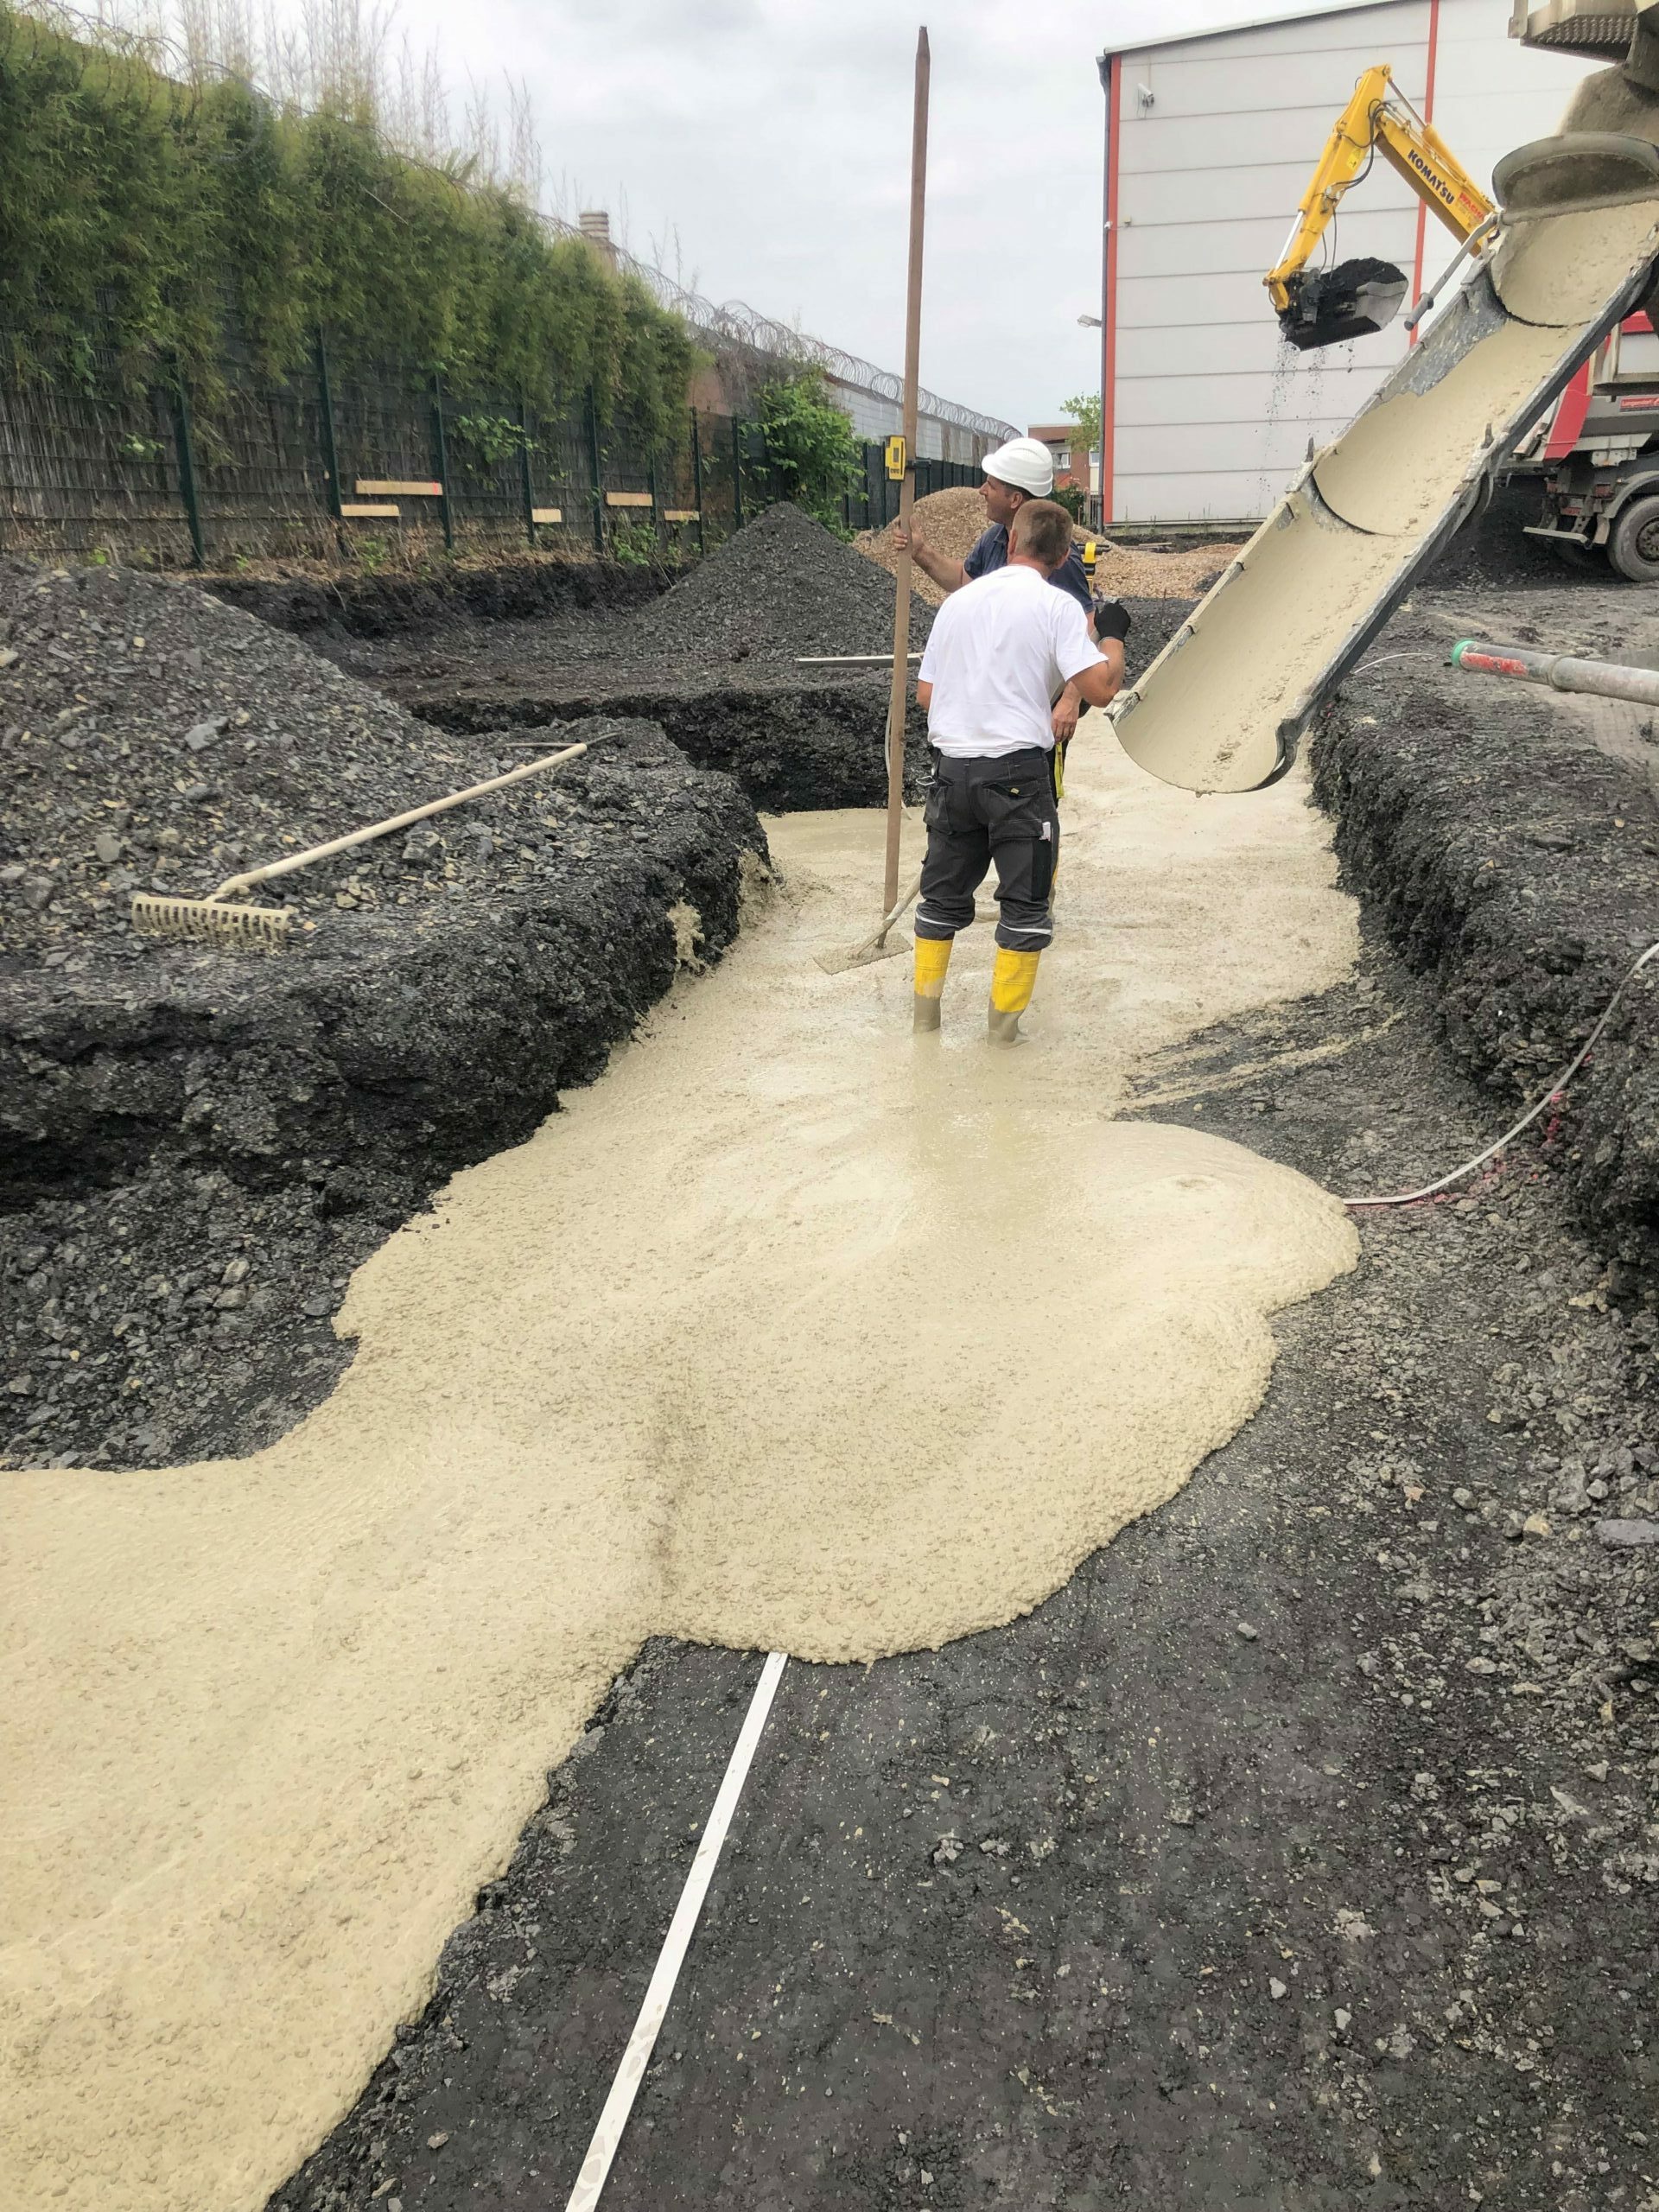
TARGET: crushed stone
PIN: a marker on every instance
(159, 739)
(783, 585)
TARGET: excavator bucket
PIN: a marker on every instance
(1329, 306)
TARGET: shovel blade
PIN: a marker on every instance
(889, 946)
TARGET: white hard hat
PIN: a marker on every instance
(1026, 463)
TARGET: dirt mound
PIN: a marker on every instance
(783, 586)
(952, 522)
(1153, 572)
(533, 588)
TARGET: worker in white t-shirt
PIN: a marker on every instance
(1000, 649)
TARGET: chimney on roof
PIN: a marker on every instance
(595, 223)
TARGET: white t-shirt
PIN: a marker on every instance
(1000, 649)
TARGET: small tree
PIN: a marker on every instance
(810, 449)
(1084, 410)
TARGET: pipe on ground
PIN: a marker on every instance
(1561, 672)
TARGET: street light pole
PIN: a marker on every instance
(1106, 66)
(1094, 322)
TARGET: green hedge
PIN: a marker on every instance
(144, 221)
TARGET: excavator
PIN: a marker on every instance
(1325, 307)
(1572, 258)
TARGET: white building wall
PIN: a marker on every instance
(1212, 412)
(876, 418)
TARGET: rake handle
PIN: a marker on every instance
(898, 909)
(257, 875)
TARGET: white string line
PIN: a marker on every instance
(596, 2166)
(1429, 1190)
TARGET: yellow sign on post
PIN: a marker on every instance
(896, 460)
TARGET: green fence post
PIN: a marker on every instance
(597, 466)
(737, 476)
(187, 468)
(330, 450)
(441, 453)
(524, 485)
(696, 482)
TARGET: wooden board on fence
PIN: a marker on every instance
(376, 488)
(547, 514)
(683, 514)
(627, 499)
(356, 511)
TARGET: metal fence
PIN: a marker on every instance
(377, 467)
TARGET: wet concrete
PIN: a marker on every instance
(1291, 1857)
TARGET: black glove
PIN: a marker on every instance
(1111, 620)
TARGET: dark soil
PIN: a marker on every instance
(1507, 838)
(1493, 552)
(195, 1165)
(200, 1144)
(783, 585)
(793, 739)
(158, 739)
(497, 591)
(792, 746)
(1297, 1855)
(717, 661)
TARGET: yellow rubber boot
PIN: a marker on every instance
(932, 958)
(1012, 980)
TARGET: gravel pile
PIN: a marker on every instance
(783, 586)
(952, 522)
(716, 661)
(1160, 572)
(160, 740)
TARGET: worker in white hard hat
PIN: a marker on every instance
(998, 654)
(1022, 470)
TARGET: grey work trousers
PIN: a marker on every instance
(980, 810)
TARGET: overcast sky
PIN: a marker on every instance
(771, 138)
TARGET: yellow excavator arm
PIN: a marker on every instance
(1325, 307)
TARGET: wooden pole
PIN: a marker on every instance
(898, 697)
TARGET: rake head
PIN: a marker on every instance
(888, 946)
(209, 921)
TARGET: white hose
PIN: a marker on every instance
(1429, 1190)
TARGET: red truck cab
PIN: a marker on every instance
(1598, 456)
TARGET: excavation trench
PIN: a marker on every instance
(787, 1331)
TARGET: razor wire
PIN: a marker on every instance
(736, 324)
